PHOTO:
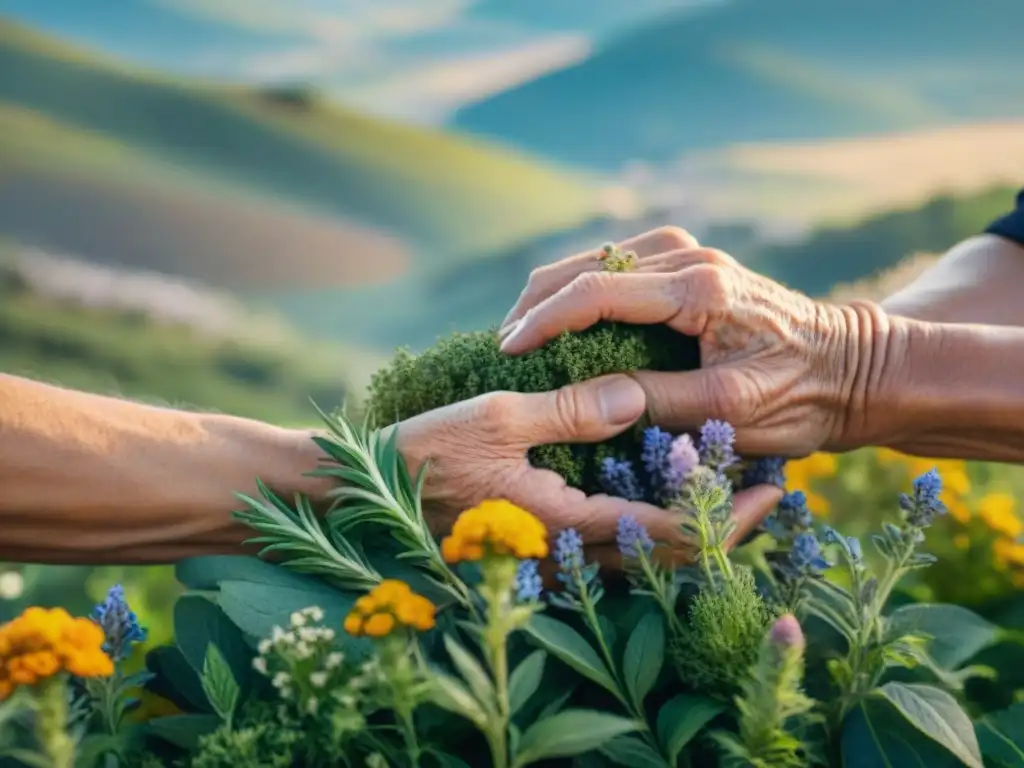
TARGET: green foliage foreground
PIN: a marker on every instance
(370, 643)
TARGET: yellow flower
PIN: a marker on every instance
(42, 642)
(801, 474)
(495, 527)
(390, 604)
(962, 541)
(997, 511)
(1008, 553)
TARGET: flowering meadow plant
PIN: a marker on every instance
(363, 640)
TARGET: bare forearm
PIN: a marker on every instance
(86, 478)
(951, 390)
(977, 281)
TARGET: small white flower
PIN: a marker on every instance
(315, 613)
(265, 646)
(277, 635)
(303, 650)
(308, 634)
(285, 693)
(11, 585)
(347, 700)
(334, 659)
(298, 619)
(260, 665)
(326, 633)
(318, 679)
(281, 680)
(312, 704)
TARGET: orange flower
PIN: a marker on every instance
(389, 605)
(496, 527)
(42, 642)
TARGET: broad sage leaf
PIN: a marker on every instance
(451, 694)
(1001, 736)
(570, 732)
(633, 752)
(645, 653)
(472, 673)
(957, 634)
(524, 680)
(682, 718)
(219, 684)
(566, 644)
(184, 730)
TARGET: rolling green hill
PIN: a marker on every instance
(128, 353)
(767, 70)
(93, 135)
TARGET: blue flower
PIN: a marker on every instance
(768, 470)
(790, 517)
(716, 444)
(119, 624)
(923, 506)
(633, 537)
(657, 445)
(849, 544)
(569, 550)
(683, 458)
(618, 479)
(528, 582)
(805, 557)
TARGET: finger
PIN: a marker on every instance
(683, 400)
(673, 261)
(548, 280)
(749, 509)
(588, 412)
(596, 518)
(637, 298)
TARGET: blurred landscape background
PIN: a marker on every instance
(243, 204)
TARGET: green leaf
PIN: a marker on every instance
(645, 653)
(28, 757)
(472, 673)
(206, 573)
(198, 624)
(566, 644)
(184, 730)
(93, 747)
(1001, 736)
(450, 694)
(525, 680)
(682, 718)
(568, 733)
(175, 679)
(257, 608)
(941, 729)
(957, 634)
(633, 752)
(219, 684)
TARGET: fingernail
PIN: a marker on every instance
(507, 329)
(513, 334)
(622, 400)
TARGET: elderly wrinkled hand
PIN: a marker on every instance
(477, 449)
(790, 373)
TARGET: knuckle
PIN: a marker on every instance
(708, 285)
(589, 283)
(715, 256)
(496, 408)
(673, 239)
(568, 409)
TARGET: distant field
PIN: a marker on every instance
(845, 180)
(352, 188)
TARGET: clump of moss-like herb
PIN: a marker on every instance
(470, 364)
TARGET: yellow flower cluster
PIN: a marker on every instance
(495, 527)
(42, 642)
(390, 604)
(801, 474)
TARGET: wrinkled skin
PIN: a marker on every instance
(788, 372)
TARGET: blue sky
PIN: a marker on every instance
(413, 59)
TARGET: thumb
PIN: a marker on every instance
(683, 400)
(587, 412)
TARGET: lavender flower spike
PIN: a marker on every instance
(618, 479)
(683, 457)
(633, 538)
(119, 624)
(923, 506)
(787, 633)
(716, 444)
(528, 582)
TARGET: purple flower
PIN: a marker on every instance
(119, 623)
(682, 458)
(786, 633)
(618, 479)
(768, 470)
(849, 544)
(716, 444)
(633, 537)
(528, 582)
(923, 506)
(569, 550)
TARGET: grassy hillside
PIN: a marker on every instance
(114, 351)
(766, 70)
(289, 151)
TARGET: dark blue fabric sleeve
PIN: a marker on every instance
(1010, 226)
